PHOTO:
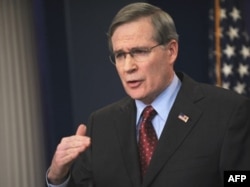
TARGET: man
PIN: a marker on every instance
(201, 131)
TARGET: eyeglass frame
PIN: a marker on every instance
(147, 51)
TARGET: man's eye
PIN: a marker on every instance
(119, 55)
(140, 51)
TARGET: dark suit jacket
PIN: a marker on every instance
(193, 154)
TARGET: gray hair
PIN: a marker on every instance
(162, 22)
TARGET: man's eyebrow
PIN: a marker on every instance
(133, 48)
(118, 51)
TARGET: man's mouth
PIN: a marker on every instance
(134, 83)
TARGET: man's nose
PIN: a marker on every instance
(129, 63)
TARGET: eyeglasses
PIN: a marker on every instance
(139, 54)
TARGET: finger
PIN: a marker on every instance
(73, 141)
(65, 157)
(81, 130)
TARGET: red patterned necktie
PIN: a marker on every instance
(147, 138)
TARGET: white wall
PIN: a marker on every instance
(21, 133)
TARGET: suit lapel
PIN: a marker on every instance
(126, 130)
(176, 130)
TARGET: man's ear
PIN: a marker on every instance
(172, 48)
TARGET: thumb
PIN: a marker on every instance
(81, 130)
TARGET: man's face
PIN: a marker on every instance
(143, 80)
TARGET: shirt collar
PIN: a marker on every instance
(163, 102)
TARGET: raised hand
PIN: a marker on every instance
(67, 151)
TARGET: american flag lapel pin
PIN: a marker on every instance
(183, 117)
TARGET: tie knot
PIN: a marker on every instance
(148, 113)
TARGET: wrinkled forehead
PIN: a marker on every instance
(137, 33)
